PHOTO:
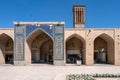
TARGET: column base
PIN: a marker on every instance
(19, 63)
(2, 62)
(59, 63)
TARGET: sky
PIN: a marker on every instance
(98, 13)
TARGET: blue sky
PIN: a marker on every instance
(98, 13)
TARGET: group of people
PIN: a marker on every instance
(74, 57)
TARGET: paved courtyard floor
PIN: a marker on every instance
(50, 72)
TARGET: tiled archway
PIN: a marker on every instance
(38, 53)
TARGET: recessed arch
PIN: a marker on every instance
(6, 48)
(36, 33)
(77, 36)
(105, 36)
(35, 41)
(46, 52)
(104, 49)
(75, 49)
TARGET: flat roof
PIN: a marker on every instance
(6, 28)
(78, 5)
(60, 22)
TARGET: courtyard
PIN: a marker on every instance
(51, 72)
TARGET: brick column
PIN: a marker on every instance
(27, 53)
(89, 54)
(117, 47)
(2, 59)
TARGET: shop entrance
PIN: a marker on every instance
(6, 49)
(100, 56)
(104, 50)
(74, 50)
(9, 58)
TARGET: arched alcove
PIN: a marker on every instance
(104, 49)
(75, 49)
(6, 49)
(41, 47)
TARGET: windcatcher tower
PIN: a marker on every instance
(78, 16)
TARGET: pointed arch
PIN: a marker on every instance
(105, 37)
(77, 36)
(34, 41)
(6, 35)
(35, 33)
(75, 48)
(107, 43)
(6, 48)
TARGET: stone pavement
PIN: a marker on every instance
(50, 72)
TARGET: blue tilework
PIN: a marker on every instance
(44, 27)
